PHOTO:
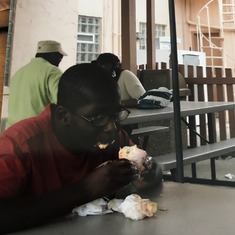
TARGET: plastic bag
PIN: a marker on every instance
(155, 99)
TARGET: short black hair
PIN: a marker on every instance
(85, 83)
(108, 58)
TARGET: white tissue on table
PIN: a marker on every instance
(133, 207)
(114, 204)
(96, 207)
(136, 208)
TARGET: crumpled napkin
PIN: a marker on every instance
(96, 207)
(136, 208)
(133, 207)
(229, 176)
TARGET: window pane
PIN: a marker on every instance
(83, 28)
(88, 38)
(160, 31)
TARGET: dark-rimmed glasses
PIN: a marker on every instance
(102, 120)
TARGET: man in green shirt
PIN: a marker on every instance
(34, 86)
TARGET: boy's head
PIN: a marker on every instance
(82, 84)
(88, 108)
(109, 61)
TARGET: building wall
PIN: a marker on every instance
(57, 20)
(41, 20)
(182, 27)
(109, 12)
(161, 12)
(229, 50)
(37, 20)
(215, 21)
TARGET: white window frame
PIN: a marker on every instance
(89, 48)
(86, 34)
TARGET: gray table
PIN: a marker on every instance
(191, 210)
(188, 108)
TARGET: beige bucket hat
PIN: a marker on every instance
(48, 46)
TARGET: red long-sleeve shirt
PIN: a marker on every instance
(32, 161)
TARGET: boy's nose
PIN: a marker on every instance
(111, 126)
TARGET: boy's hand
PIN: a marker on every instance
(111, 176)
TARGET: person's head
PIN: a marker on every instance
(51, 51)
(87, 104)
(110, 62)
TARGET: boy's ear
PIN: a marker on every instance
(63, 115)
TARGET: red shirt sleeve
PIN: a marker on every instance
(13, 175)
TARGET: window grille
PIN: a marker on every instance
(88, 39)
(160, 31)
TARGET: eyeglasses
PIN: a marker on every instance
(102, 120)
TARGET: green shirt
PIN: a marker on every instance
(32, 88)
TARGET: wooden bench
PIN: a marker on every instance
(146, 131)
(193, 155)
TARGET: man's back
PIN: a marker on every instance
(32, 88)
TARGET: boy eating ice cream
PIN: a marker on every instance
(51, 163)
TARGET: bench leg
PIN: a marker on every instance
(136, 140)
(194, 170)
(174, 174)
(145, 142)
(213, 170)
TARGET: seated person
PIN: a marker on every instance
(130, 86)
(49, 163)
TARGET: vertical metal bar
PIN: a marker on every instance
(9, 42)
(194, 170)
(213, 169)
(176, 97)
(212, 139)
